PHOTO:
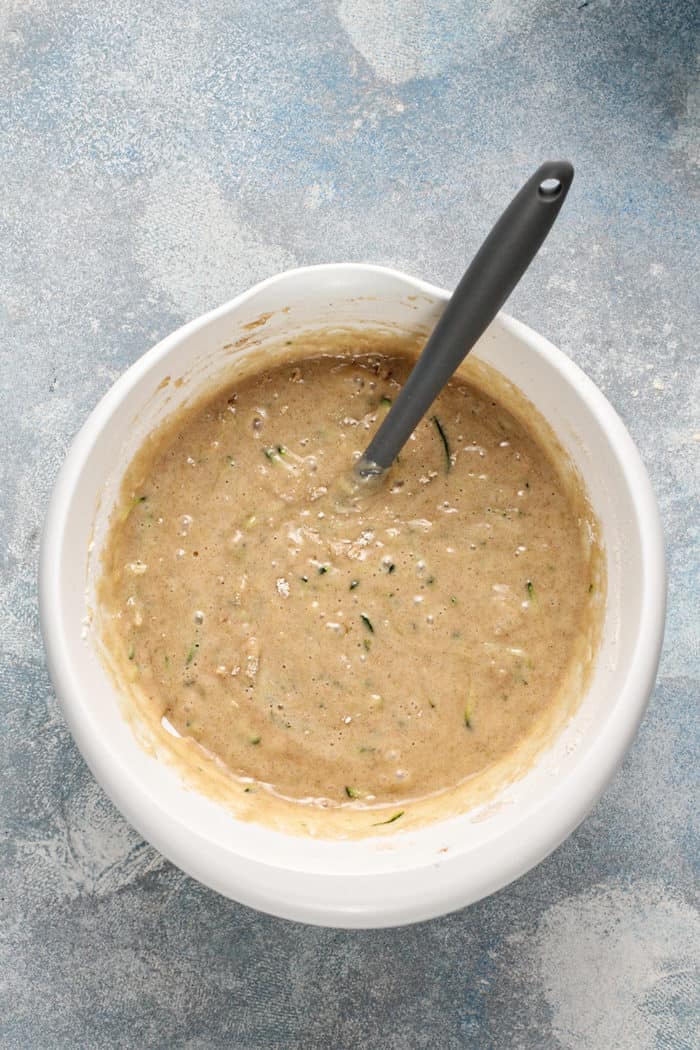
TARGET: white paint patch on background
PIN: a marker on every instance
(318, 194)
(619, 969)
(91, 849)
(391, 36)
(10, 10)
(405, 39)
(195, 246)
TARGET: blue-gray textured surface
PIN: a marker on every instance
(158, 158)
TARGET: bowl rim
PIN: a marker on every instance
(549, 821)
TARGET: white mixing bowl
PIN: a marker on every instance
(404, 876)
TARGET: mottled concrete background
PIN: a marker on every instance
(157, 158)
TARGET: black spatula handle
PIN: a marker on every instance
(493, 274)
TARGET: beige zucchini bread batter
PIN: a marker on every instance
(336, 646)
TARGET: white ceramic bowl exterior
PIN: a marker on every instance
(409, 875)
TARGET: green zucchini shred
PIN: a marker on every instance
(391, 820)
(445, 443)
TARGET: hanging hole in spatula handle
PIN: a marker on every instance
(549, 188)
(553, 179)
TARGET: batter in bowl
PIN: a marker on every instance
(348, 648)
